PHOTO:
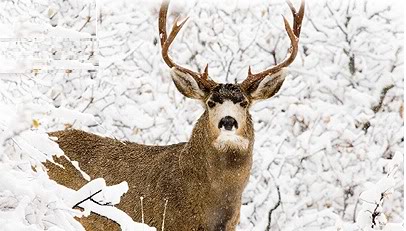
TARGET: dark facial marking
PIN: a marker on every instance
(211, 104)
(217, 98)
(227, 91)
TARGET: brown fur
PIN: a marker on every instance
(202, 185)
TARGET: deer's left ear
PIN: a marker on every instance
(267, 87)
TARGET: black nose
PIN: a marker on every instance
(228, 123)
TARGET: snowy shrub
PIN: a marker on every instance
(324, 155)
(29, 200)
(372, 216)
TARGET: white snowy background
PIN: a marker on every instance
(329, 147)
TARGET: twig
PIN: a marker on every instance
(86, 22)
(385, 90)
(354, 216)
(87, 198)
(376, 213)
(105, 204)
(163, 218)
(268, 227)
(142, 209)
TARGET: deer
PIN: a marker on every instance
(198, 183)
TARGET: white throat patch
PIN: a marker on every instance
(228, 139)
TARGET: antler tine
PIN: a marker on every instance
(294, 40)
(163, 11)
(166, 41)
(298, 17)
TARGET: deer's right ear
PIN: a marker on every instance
(187, 85)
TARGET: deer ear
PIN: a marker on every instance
(268, 86)
(187, 85)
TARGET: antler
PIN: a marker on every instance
(294, 39)
(202, 79)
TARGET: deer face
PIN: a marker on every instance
(227, 104)
(228, 116)
(227, 107)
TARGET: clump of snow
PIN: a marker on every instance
(30, 201)
(105, 196)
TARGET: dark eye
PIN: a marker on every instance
(244, 104)
(211, 104)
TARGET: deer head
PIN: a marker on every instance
(227, 105)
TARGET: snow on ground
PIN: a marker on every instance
(329, 147)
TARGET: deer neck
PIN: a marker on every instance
(221, 172)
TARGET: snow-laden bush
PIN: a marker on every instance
(34, 36)
(328, 137)
(29, 200)
(372, 216)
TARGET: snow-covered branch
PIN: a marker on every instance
(372, 214)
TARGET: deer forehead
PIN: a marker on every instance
(228, 91)
(228, 108)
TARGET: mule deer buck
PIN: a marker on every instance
(199, 182)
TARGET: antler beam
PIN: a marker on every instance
(293, 34)
(202, 79)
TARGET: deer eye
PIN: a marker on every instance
(244, 104)
(211, 104)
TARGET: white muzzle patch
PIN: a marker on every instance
(228, 139)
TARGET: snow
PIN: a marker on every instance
(29, 200)
(330, 143)
(108, 196)
(372, 214)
